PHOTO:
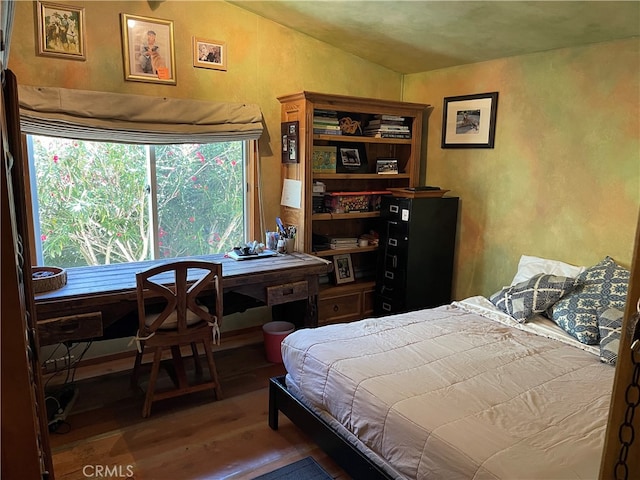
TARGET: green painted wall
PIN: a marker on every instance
(563, 180)
(265, 60)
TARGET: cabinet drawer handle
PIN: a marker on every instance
(336, 308)
(393, 242)
(386, 306)
(388, 274)
(393, 208)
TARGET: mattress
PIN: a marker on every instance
(450, 393)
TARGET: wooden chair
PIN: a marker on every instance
(182, 321)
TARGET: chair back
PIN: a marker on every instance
(179, 283)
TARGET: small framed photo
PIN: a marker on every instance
(343, 268)
(209, 54)
(289, 132)
(351, 158)
(148, 50)
(60, 31)
(469, 121)
(387, 166)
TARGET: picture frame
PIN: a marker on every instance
(324, 159)
(209, 54)
(351, 158)
(469, 121)
(61, 31)
(343, 268)
(387, 166)
(290, 149)
(148, 50)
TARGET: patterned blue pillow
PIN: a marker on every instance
(610, 326)
(603, 285)
(523, 300)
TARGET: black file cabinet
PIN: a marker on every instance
(417, 241)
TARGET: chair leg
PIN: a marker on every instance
(148, 400)
(196, 358)
(136, 369)
(178, 364)
(208, 350)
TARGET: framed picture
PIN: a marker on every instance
(60, 31)
(324, 159)
(351, 158)
(387, 166)
(148, 50)
(289, 132)
(343, 268)
(469, 121)
(209, 54)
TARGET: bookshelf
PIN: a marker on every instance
(352, 300)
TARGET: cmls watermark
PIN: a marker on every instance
(108, 471)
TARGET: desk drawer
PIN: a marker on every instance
(287, 292)
(70, 328)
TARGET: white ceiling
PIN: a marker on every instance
(416, 36)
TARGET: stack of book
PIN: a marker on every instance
(340, 243)
(325, 122)
(387, 126)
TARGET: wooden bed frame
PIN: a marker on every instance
(352, 460)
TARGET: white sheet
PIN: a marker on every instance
(446, 393)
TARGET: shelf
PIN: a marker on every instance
(347, 287)
(339, 251)
(343, 216)
(359, 176)
(358, 139)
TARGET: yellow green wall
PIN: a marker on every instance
(265, 61)
(563, 180)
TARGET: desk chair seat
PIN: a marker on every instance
(182, 321)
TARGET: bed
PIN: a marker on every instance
(465, 390)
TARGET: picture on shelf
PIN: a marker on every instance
(387, 166)
(352, 158)
(343, 268)
(324, 159)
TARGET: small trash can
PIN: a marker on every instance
(274, 333)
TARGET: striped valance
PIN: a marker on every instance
(117, 117)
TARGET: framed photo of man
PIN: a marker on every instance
(209, 54)
(60, 31)
(148, 50)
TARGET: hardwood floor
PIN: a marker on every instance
(187, 438)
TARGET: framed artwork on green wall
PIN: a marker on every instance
(148, 50)
(60, 31)
(209, 54)
(469, 121)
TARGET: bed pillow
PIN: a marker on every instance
(524, 300)
(610, 327)
(603, 285)
(529, 267)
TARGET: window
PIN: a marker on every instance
(100, 202)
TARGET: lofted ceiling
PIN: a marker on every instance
(416, 36)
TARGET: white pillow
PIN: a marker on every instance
(529, 267)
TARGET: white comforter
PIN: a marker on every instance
(446, 393)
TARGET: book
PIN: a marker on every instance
(389, 117)
(386, 134)
(325, 131)
(390, 128)
(375, 123)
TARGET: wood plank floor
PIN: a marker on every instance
(187, 438)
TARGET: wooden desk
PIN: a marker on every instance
(96, 297)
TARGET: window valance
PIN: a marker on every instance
(104, 116)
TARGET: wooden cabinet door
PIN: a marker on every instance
(25, 440)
